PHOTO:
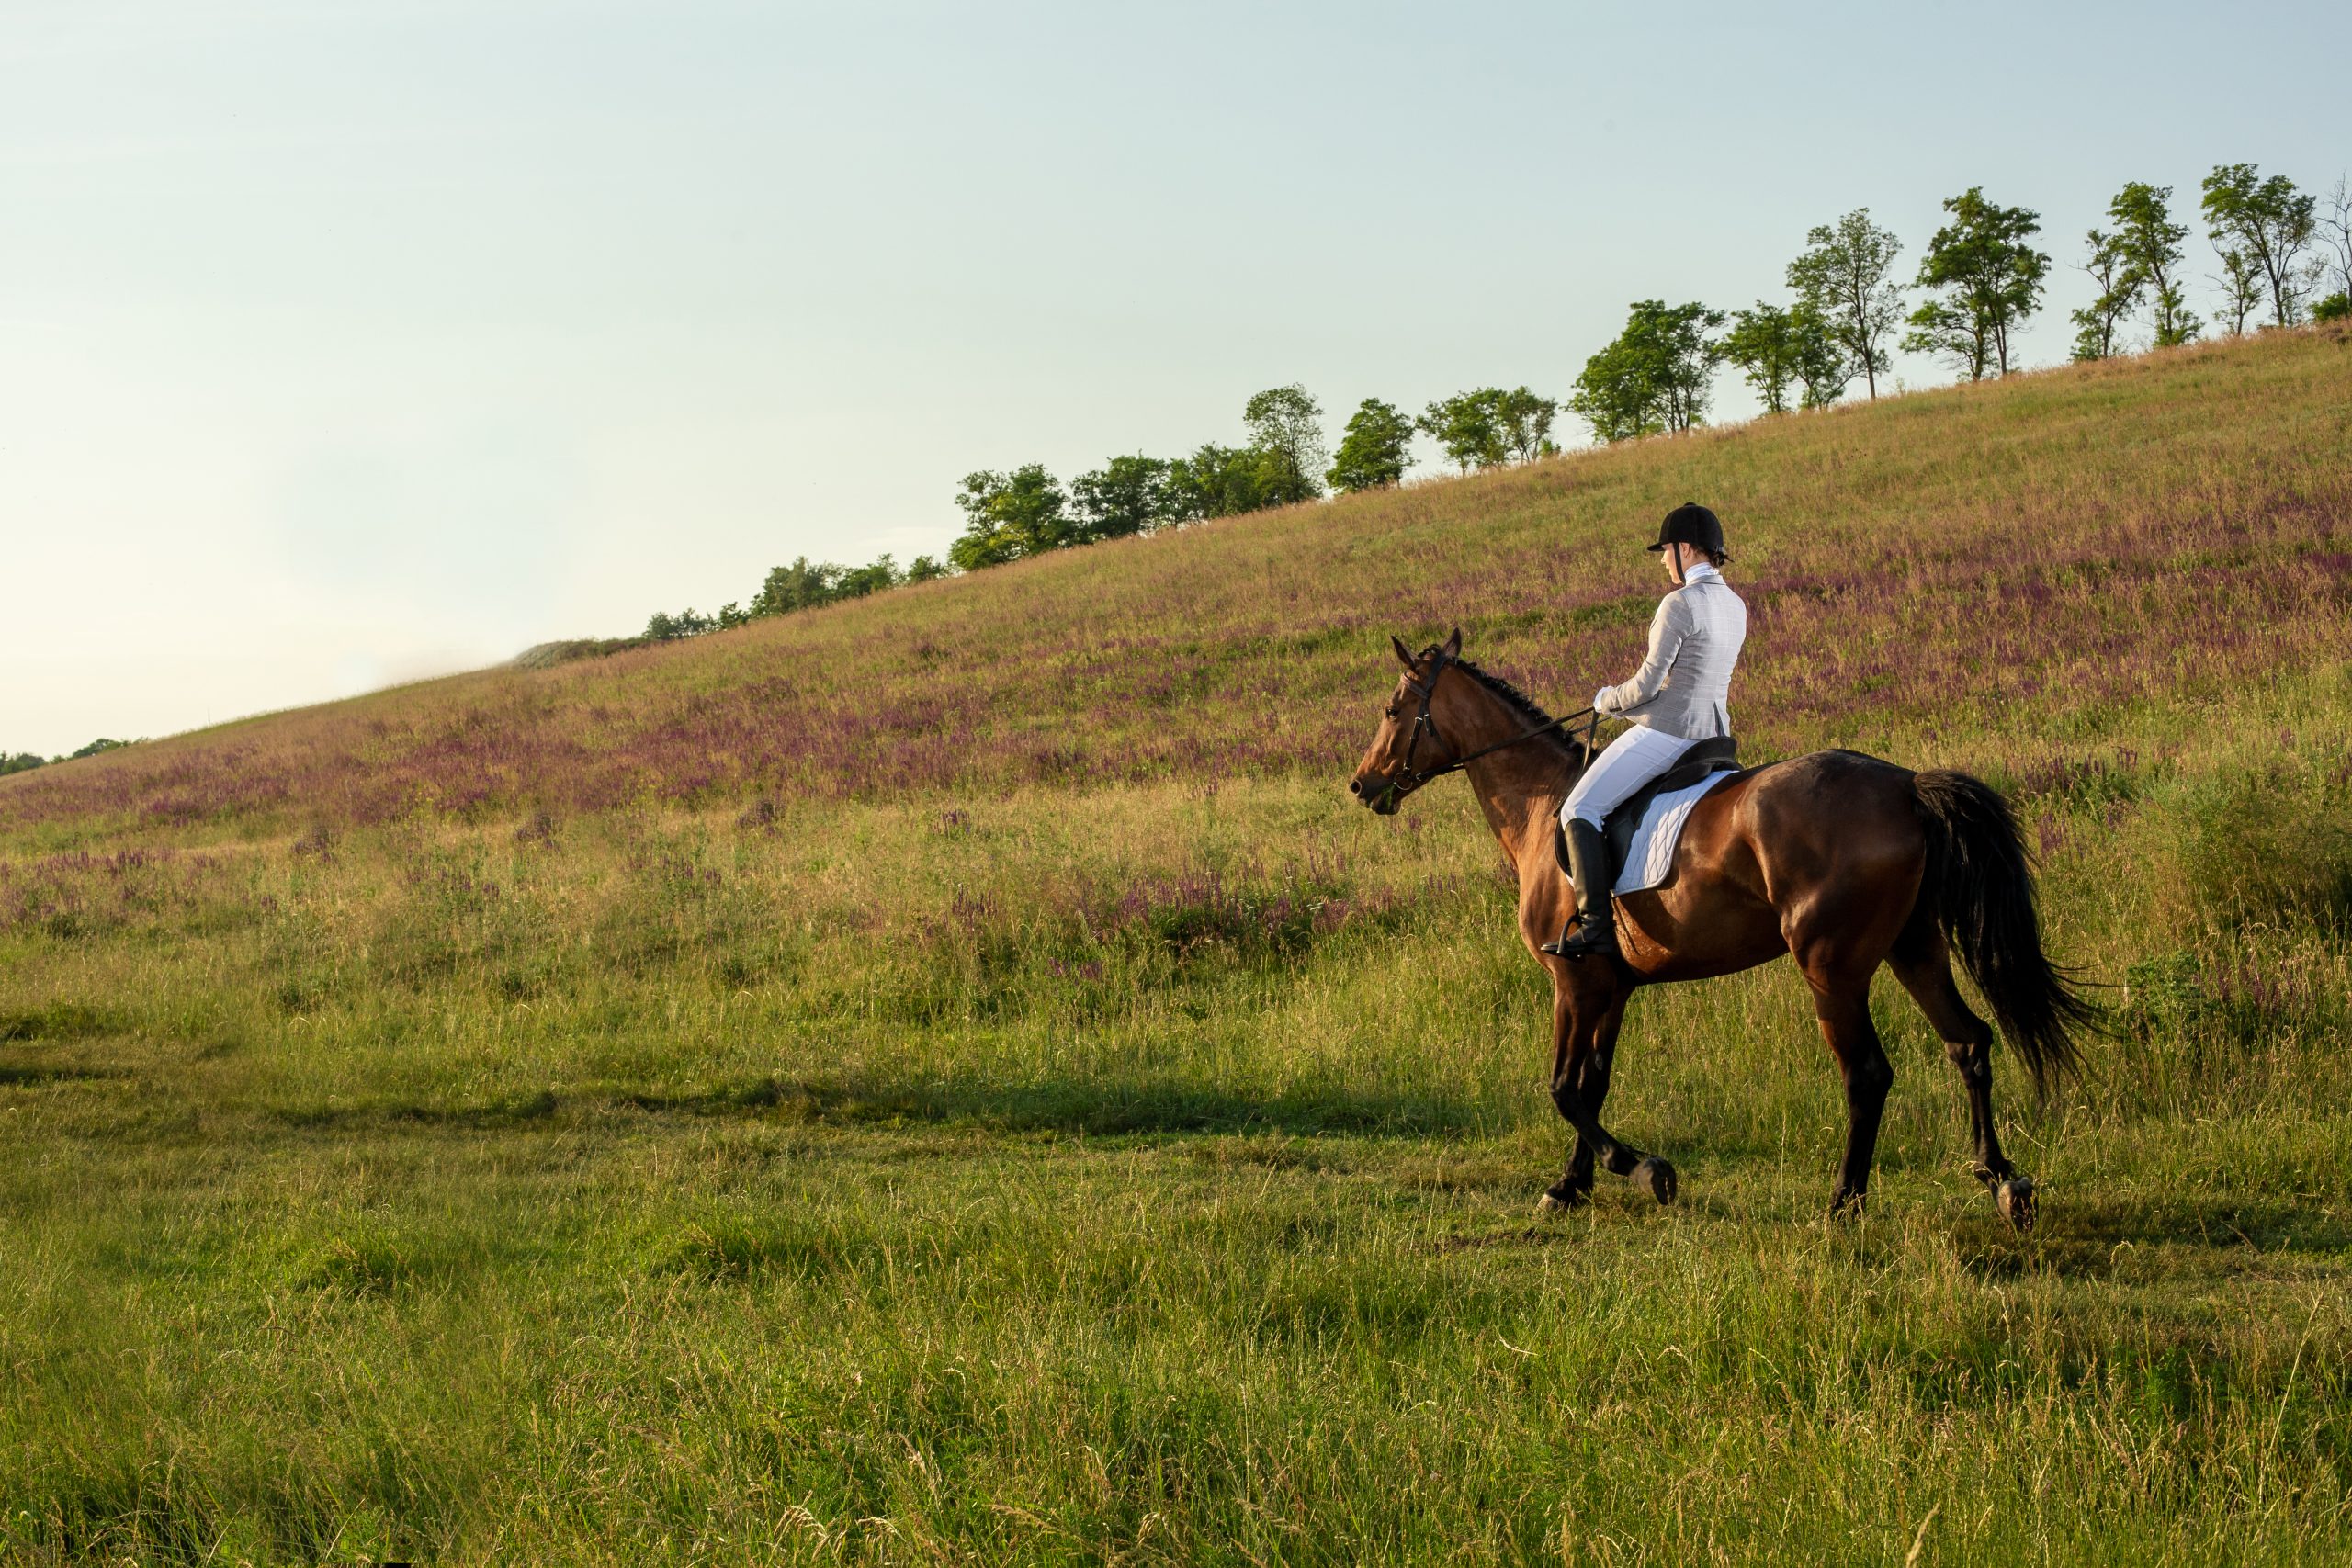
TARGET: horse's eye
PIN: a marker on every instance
(1392, 710)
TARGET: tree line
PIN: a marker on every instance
(2281, 251)
(1981, 278)
(803, 585)
(24, 762)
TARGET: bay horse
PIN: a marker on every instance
(1843, 861)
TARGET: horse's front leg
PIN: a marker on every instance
(1570, 1078)
(1585, 1023)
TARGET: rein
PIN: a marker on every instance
(1408, 778)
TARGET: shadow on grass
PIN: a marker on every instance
(17, 1077)
(1516, 1236)
(57, 1021)
(520, 1110)
(1046, 1105)
(116, 1509)
(2083, 1237)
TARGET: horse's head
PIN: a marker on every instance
(1405, 747)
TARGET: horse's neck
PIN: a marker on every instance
(1519, 787)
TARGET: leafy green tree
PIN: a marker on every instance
(983, 542)
(2336, 307)
(94, 748)
(2120, 283)
(664, 628)
(1989, 272)
(1286, 424)
(1009, 515)
(1763, 344)
(2241, 285)
(1225, 481)
(1950, 330)
(1843, 276)
(1035, 508)
(927, 569)
(2269, 224)
(1655, 377)
(1615, 395)
(1820, 362)
(1524, 422)
(1374, 450)
(1468, 428)
(23, 761)
(1675, 341)
(858, 581)
(2150, 240)
(803, 585)
(1126, 495)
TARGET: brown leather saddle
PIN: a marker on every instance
(1718, 755)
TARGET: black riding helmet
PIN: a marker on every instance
(1691, 524)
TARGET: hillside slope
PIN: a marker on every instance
(952, 1076)
(2158, 529)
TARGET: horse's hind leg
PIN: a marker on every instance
(1842, 1005)
(1839, 939)
(1924, 969)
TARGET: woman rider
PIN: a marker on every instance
(1675, 699)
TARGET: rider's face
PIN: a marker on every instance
(1672, 556)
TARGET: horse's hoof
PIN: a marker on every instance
(1561, 1201)
(1655, 1177)
(2014, 1198)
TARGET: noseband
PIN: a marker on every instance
(1408, 779)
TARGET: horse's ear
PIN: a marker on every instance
(1404, 654)
(1453, 644)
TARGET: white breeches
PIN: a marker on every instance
(1624, 765)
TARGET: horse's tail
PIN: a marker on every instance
(1981, 883)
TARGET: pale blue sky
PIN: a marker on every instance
(346, 343)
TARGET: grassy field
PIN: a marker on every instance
(952, 1078)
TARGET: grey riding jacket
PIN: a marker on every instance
(1682, 685)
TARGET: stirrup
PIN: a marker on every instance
(1583, 937)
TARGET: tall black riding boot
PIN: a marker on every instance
(1593, 929)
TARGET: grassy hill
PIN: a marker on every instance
(951, 1075)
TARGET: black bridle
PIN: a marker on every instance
(1406, 778)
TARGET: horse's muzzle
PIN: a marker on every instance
(1383, 797)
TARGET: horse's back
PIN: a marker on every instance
(1825, 809)
(1758, 846)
